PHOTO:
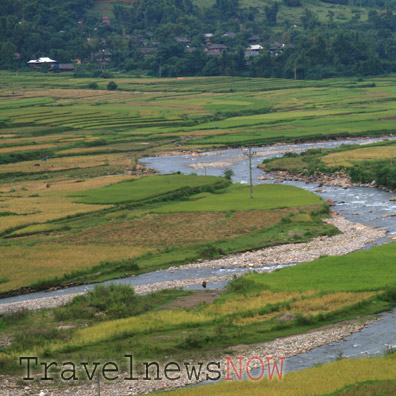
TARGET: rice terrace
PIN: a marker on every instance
(104, 257)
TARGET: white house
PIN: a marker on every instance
(253, 50)
(42, 61)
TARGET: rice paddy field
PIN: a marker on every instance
(193, 112)
(76, 207)
(67, 153)
(250, 310)
(362, 377)
(80, 230)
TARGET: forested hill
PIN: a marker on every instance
(304, 39)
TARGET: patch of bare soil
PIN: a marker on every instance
(198, 297)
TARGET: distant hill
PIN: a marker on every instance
(286, 38)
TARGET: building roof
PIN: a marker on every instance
(66, 66)
(217, 46)
(182, 40)
(255, 47)
(42, 60)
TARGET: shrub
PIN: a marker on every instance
(209, 252)
(112, 86)
(93, 85)
(228, 173)
(389, 294)
(195, 340)
(240, 285)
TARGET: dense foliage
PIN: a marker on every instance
(167, 37)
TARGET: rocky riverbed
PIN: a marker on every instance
(281, 347)
(336, 179)
(354, 237)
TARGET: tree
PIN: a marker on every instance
(112, 86)
(271, 13)
(228, 173)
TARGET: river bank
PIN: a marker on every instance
(337, 179)
(354, 237)
(280, 347)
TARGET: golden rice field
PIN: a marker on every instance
(253, 302)
(350, 157)
(64, 163)
(38, 139)
(16, 149)
(24, 265)
(309, 305)
(329, 302)
(82, 150)
(33, 202)
(171, 318)
(321, 380)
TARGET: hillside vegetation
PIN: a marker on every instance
(301, 39)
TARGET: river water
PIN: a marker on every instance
(364, 205)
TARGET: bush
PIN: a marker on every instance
(209, 252)
(228, 173)
(389, 294)
(112, 86)
(195, 340)
(93, 85)
(303, 320)
(240, 285)
(113, 302)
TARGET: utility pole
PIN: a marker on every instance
(250, 154)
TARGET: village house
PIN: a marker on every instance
(182, 40)
(253, 50)
(216, 49)
(229, 35)
(43, 61)
(66, 67)
(254, 39)
(277, 48)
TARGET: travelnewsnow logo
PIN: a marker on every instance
(229, 369)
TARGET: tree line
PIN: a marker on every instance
(140, 37)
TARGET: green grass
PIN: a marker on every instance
(373, 269)
(265, 197)
(352, 377)
(145, 188)
(368, 388)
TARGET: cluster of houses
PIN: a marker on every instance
(255, 47)
(210, 48)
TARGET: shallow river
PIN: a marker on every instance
(363, 205)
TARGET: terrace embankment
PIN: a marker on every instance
(354, 237)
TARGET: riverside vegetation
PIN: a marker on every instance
(374, 163)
